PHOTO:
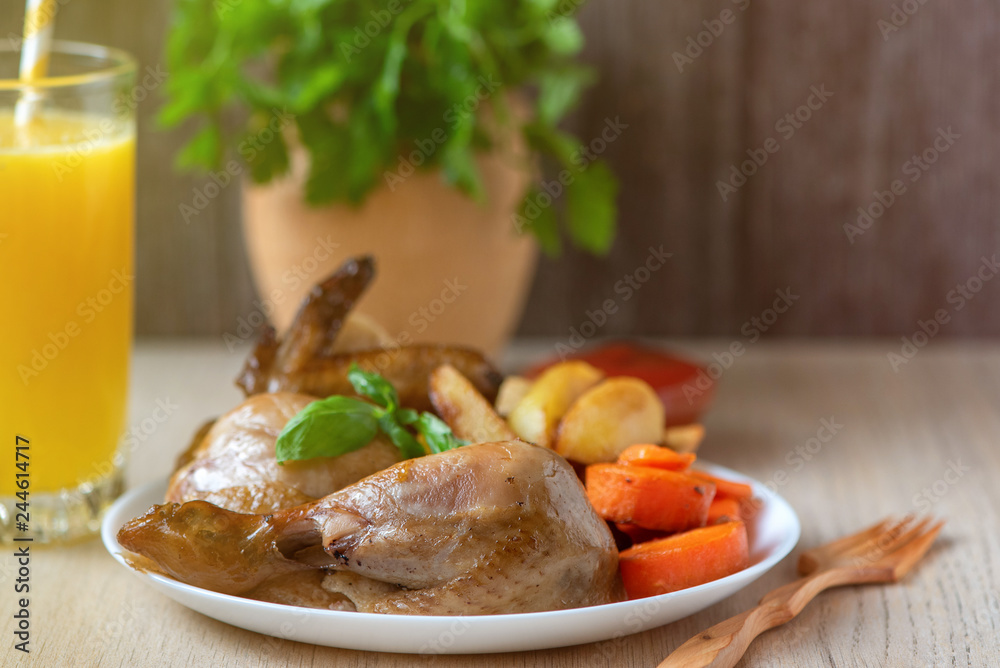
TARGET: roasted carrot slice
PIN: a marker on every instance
(656, 456)
(638, 534)
(726, 489)
(724, 510)
(647, 497)
(684, 560)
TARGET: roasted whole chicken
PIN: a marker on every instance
(483, 529)
(498, 527)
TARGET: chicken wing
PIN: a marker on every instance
(315, 354)
(314, 331)
(408, 369)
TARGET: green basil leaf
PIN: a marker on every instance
(457, 158)
(564, 36)
(558, 92)
(548, 140)
(591, 209)
(438, 435)
(321, 83)
(204, 149)
(408, 446)
(328, 428)
(406, 416)
(387, 85)
(536, 218)
(266, 159)
(373, 386)
(327, 143)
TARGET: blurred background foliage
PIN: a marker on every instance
(683, 132)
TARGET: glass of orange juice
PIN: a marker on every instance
(67, 189)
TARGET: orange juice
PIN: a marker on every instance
(66, 281)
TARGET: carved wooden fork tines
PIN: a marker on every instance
(882, 553)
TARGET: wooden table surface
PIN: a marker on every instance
(924, 437)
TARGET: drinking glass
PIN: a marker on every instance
(67, 189)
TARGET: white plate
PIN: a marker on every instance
(773, 534)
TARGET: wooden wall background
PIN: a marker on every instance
(784, 227)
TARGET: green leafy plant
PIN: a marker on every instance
(376, 88)
(337, 425)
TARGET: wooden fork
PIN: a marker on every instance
(882, 553)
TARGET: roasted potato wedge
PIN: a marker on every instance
(608, 418)
(537, 415)
(512, 390)
(684, 438)
(464, 409)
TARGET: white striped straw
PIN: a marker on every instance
(39, 19)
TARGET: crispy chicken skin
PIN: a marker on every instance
(233, 465)
(484, 529)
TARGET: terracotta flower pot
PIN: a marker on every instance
(449, 269)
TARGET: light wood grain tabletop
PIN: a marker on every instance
(923, 437)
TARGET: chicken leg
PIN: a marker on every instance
(483, 529)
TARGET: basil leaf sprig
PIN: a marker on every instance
(328, 428)
(338, 425)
